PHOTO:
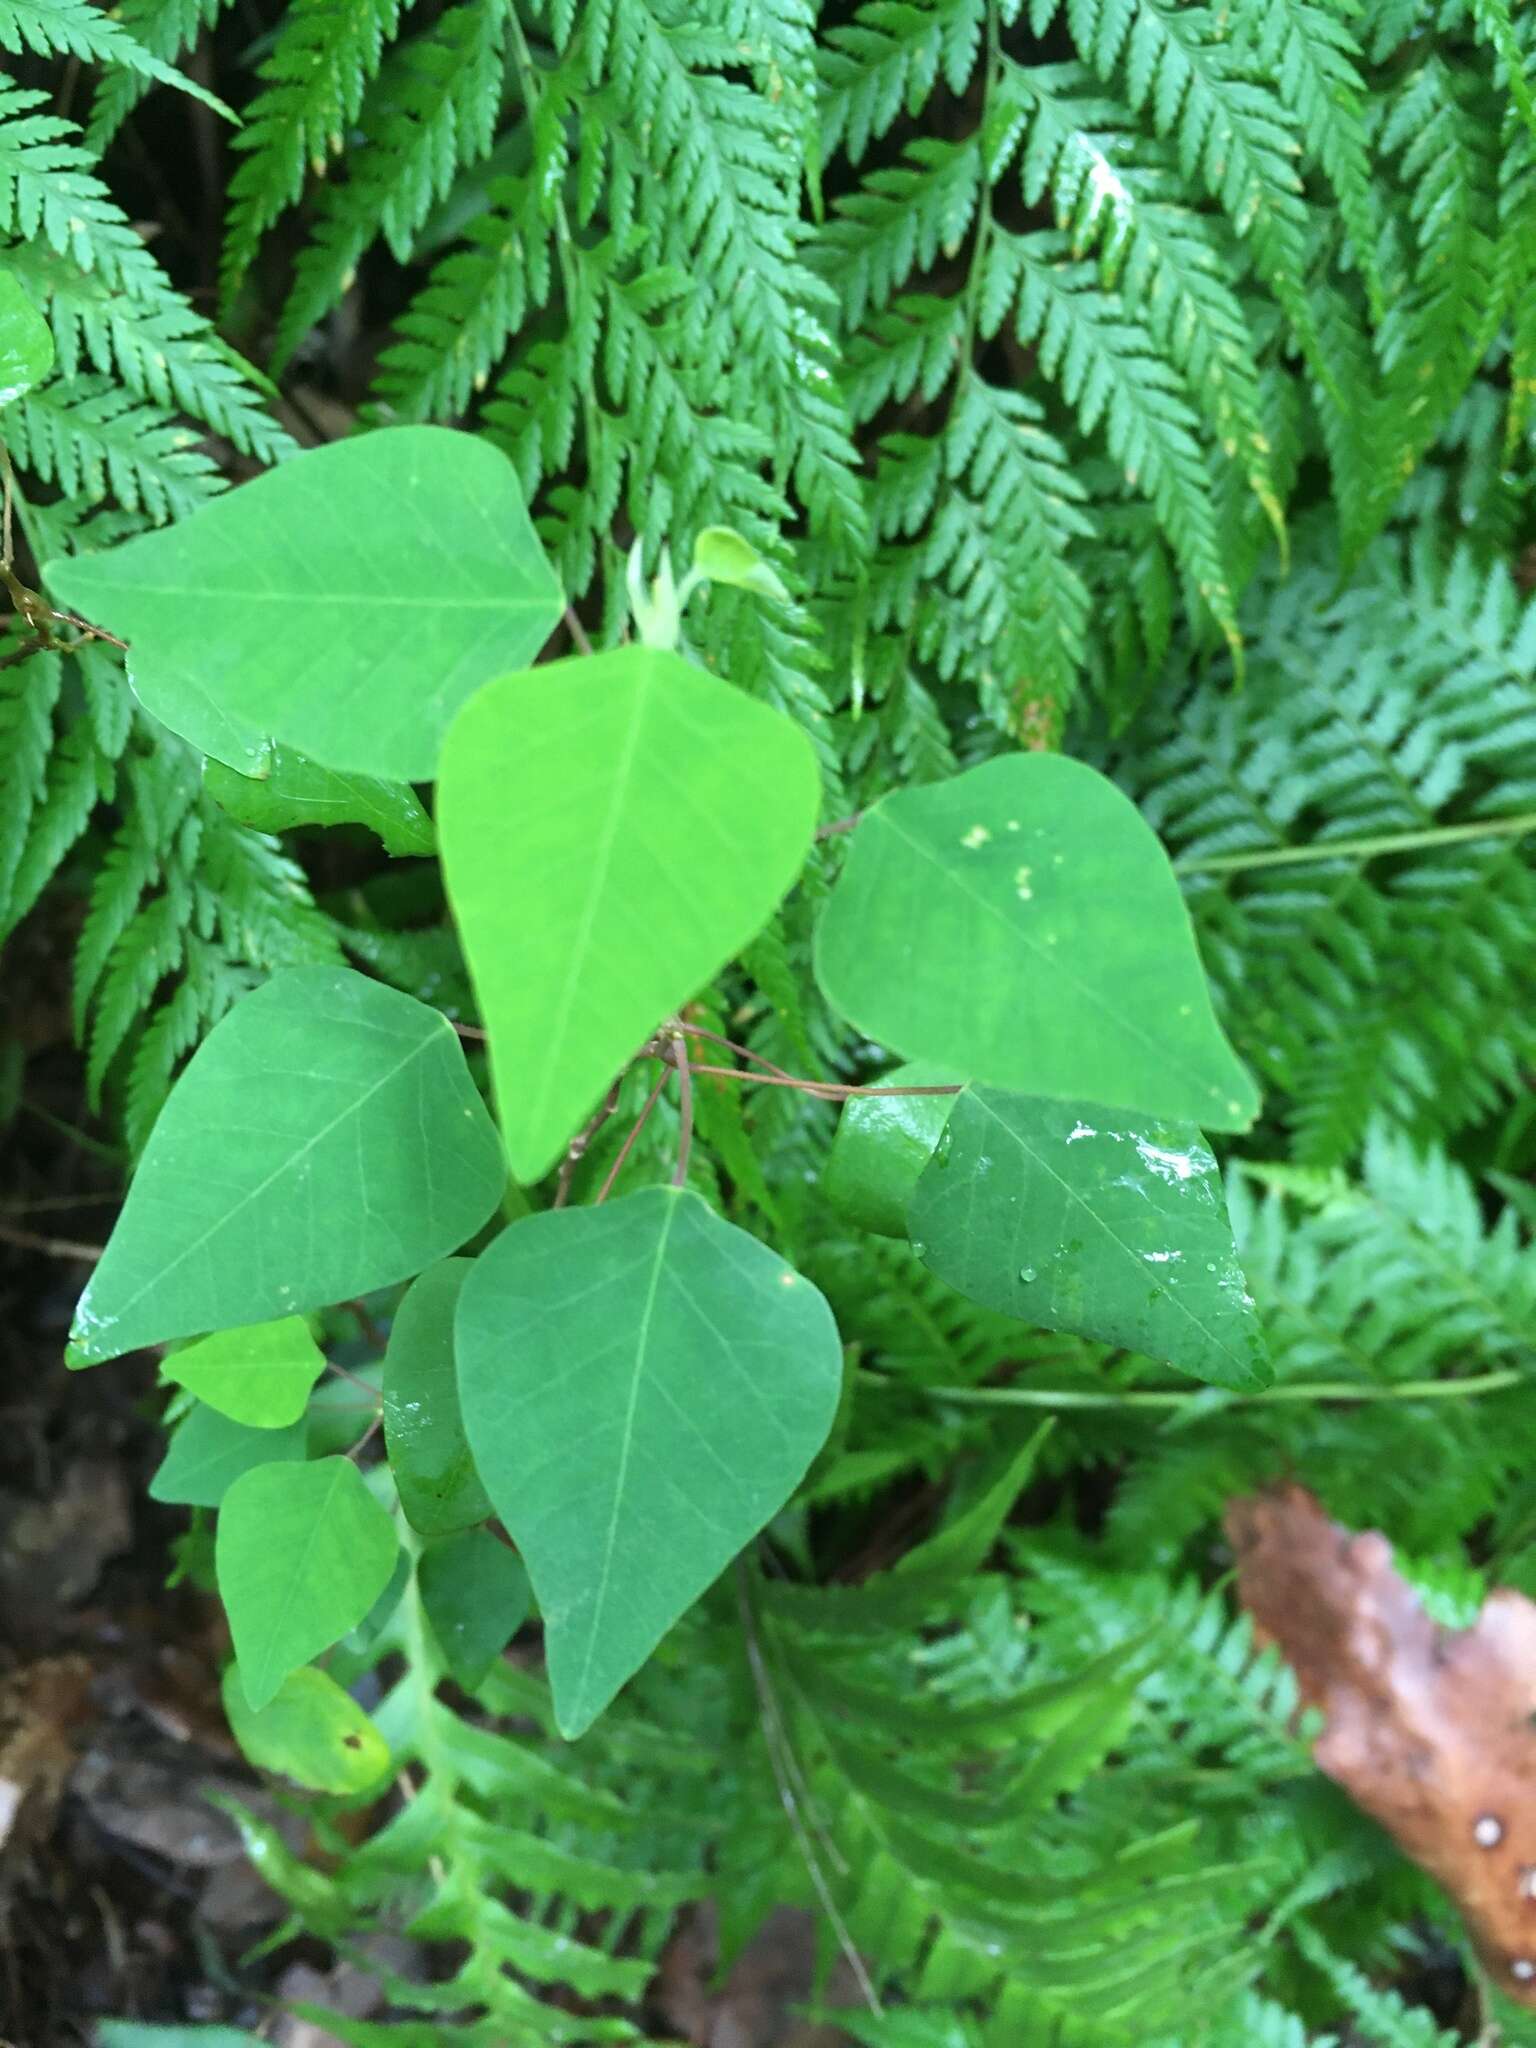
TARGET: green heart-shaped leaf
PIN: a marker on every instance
(644, 1385)
(260, 1375)
(1073, 1218)
(356, 595)
(301, 1554)
(1020, 924)
(325, 1139)
(613, 831)
(310, 1731)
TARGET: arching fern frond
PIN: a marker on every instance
(1388, 977)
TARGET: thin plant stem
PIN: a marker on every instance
(8, 481)
(679, 1051)
(624, 1150)
(1357, 849)
(36, 645)
(575, 1151)
(375, 1398)
(828, 1091)
(368, 1434)
(776, 1742)
(50, 1247)
(732, 1045)
(1322, 1391)
(577, 630)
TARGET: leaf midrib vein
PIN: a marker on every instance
(642, 1338)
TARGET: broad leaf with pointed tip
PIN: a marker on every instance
(428, 1451)
(613, 831)
(26, 341)
(1021, 924)
(294, 791)
(324, 1140)
(260, 1375)
(301, 1554)
(644, 1385)
(1071, 1217)
(345, 603)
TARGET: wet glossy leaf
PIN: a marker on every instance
(476, 1595)
(883, 1142)
(357, 595)
(1020, 924)
(209, 1453)
(295, 791)
(643, 1385)
(260, 1374)
(310, 1731)
(26, 341)
(324, 1140)
(428, 1450)
(302, 1552)
(1074, 1218)
(613, 830)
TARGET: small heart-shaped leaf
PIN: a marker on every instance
(356, 595)
(260, 1375)
(644, 1385)
(1020, 924)
(301, 1554)
(310, 1731)
(614, 830)
(325, 1139)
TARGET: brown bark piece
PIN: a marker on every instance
(1429, 1730)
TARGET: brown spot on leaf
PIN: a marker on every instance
(1427, 1729)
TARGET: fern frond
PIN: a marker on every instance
(29, 691)
(1436, 333)
(1159, 254)
(457, 328)
(96, 441)
(887, 62)
(110, 304)
(1406, 705)
(74, 28)
(1314, 59)
(1110, 370)
(163, 27)
(1385, 2020)
(431, 113)
(312, 88)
